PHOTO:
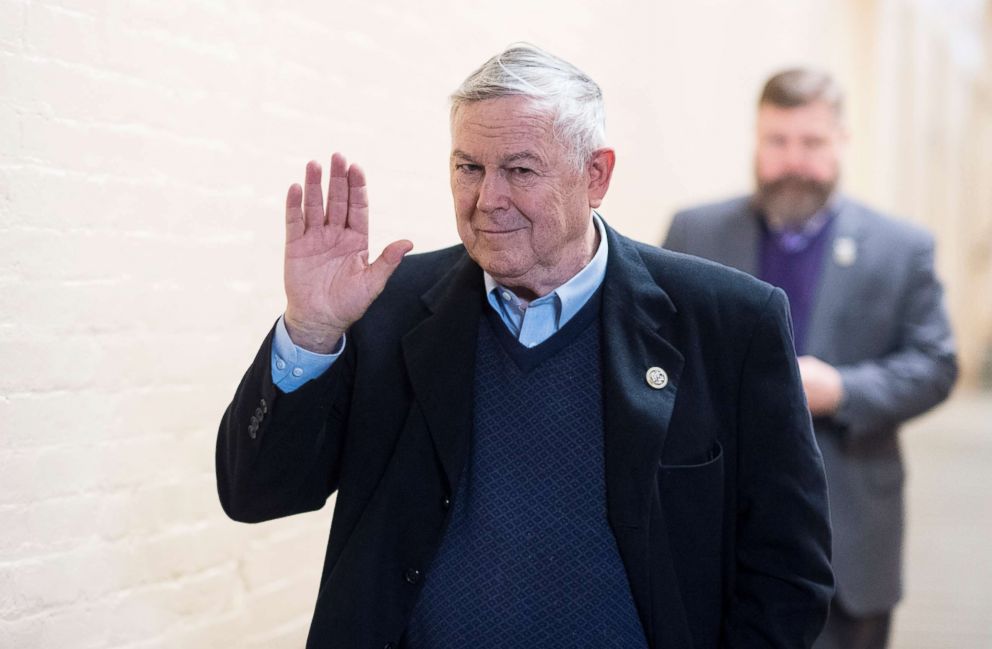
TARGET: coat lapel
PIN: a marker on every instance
(636, 313)
(440, 361)
(840, 264)
(637, 318)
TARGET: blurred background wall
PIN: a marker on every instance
(145, 150)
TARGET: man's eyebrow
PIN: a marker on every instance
(523, 155)
(528, 156)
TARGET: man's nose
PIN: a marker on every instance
(795, 159)
(494, 192)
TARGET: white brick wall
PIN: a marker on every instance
(145, 150)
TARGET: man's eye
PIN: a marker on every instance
(467, 168)
(521, 171)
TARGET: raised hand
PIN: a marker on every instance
(329, 280)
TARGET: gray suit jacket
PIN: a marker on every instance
(878, 317)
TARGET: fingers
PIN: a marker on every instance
(294, 213)
(337, 192)
(313, 199)
(388, 261)
(347, 197)
(358, 200)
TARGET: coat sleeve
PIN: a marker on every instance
(918, 374)
(278, 453)
(783, 581)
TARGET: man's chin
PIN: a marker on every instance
(790, 209)
(500, 263)
(791, 215)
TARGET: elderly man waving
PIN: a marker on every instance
(548, 436)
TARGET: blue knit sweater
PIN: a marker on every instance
(528, 558)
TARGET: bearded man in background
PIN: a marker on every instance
(870, 329)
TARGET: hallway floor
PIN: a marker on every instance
(948, 454)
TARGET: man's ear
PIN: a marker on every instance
(600, 170)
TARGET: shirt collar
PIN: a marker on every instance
(574, 293)
(796, 239)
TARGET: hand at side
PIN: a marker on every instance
(822, 384)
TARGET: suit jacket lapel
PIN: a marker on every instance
(840, 263)
(636, 313)
(637, 317)
(440, 361)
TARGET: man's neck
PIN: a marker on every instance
(529, 290)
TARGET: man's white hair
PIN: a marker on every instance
(555, 87)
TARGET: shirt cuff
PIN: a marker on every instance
(292, 366)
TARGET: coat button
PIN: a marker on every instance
(388, 645)
(412, 576)
(446, 502)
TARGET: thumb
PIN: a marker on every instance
(382, 268)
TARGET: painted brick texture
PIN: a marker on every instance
(145, 151)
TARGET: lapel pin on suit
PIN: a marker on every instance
(656, 377)
(845, 251)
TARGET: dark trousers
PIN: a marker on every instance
(845, 631)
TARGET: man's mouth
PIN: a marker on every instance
(498, 232)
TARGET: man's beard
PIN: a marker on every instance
(787, 203)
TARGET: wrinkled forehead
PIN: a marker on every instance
(502, 126)
(502, 108)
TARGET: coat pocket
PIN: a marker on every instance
(692, 503)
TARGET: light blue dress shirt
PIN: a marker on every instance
(530, 323)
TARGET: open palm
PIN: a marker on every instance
(329, 280)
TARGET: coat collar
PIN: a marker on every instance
(741, 244)
(636, 314)
(637, 319)
(440, 361)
